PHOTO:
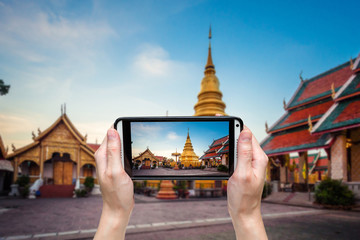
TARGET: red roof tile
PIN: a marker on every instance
(292, 141)
(210, 155)
(94, 146)
(352, 111)
(323, 84)
(220, 140)
(322, 162)
(213, 149)
(161, 158)
(303, 114)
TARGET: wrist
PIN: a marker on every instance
(249, 226)
(112, 223)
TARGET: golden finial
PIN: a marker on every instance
(300, 76)
(284, 103)
(332, 91)
(39, 131)
(266, 127)
(209, 63)
(13, 147)
(351, 64)
(310, 123)
(210, 32)
(85, 137)
(33, 135)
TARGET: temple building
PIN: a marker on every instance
(218, 153)
(188, 157)
(146, 160)
(6, 170)
(59, 155)
(324, 113)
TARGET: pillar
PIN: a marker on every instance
(78, 164)
(16, 166)
(303, 159)
(41, 162)
(355, 155)
(339, 158)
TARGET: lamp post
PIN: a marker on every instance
(176, 154)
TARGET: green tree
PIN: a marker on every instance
(4, 89)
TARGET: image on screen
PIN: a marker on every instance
(180, 148)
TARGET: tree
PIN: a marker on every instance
(4, 89)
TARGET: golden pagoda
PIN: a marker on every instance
(210, 97)
(188, 157)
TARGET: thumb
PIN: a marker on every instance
(245, 152)
(113, 150)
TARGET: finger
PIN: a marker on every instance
(113, 151)
(244, 152)
(100, 157)
(260, 159)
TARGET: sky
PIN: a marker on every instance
(109, 59)
(165, 138)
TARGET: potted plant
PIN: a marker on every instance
(24, 185)
(89, 184)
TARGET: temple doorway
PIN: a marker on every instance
(59, 170)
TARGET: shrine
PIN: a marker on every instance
(323, 115)
(59, 155)
(188, 157)
(218, 153)
(146, 160)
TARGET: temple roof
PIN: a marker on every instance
(2, 150)
(146, 151)
(94, 146)
(217, 148)
(220, 141)
(342, 115)
(299, 116)
(294, 140)
(69, 125)
(350, 88)
(320, 86)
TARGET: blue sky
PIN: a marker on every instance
(164, 138)
(108, 59)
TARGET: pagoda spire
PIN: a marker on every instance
(209, 63)
(210, 97)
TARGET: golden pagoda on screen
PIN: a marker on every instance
(188, 157)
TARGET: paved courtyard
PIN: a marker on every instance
(181, 172)
(179, 219)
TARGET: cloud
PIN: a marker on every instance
(153, 61)
(172, 136)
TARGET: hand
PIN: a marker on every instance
(245, 188)
(116, 189)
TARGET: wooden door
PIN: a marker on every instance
(63, 172)
(58, 172)
(68, 173)
(87, 171)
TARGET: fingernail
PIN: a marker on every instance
(245, 136)
(111, 134)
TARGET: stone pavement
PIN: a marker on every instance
(195, 218)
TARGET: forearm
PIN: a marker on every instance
(112, 225)
(249, 227)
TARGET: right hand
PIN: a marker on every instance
(245, 188)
